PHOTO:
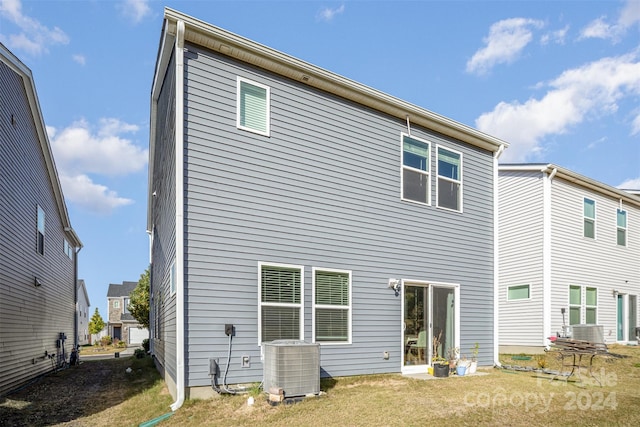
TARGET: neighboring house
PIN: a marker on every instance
(83, 314)
(38, 246)
(121, 324)
(286, 200)
(567, 243)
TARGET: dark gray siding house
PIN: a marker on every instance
(294, 203)
(38, 247)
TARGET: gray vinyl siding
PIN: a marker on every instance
(164, 227)
(598, 263)
(521, 257)
(31, 318)
(322, 191)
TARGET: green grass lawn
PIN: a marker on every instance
(500, 397)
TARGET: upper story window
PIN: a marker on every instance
(449, 192)
(332, 306)
(172, 278)
(253, 107)
(589, 218)
(415, 170)
(68, 249)
(40, 235)
(125, 306)
(116, 303)
(280, 308)
(621, 227)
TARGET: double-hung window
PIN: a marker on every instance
(621, 218)
(577, 306)
(172, 278)
(40, 233)
(331, 306)
(589, 213)
(449, 192)
(253, 107)
(281, 294)
(415, 170)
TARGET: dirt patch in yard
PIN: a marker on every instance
(76, 392)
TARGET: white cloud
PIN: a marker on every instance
(557, 36)
(630, 184)
(34, 37)
(80, 150)
(135, 10)
(80, 59)
(506, 39)
(577, 94)
(601, 29)
(635, 125)
(327, 14)
(81, 190)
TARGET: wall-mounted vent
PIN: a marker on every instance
(293, 366)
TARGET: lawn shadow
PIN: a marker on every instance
(327, 382)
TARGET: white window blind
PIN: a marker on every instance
(253, 107)
(280, 297)
(332, 305)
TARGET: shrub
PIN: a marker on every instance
(121, 344)
(145, 344)
(105, 340)
(139, 353)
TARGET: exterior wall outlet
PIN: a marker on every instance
(246, 361)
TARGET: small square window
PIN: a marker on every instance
(253, 107)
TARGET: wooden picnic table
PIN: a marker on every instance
(577, 355)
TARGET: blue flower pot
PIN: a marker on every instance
(461, 370)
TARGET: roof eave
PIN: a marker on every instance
(230, 44)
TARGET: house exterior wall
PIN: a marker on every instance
(527, 214)
(31, 318)
(83, 314)
(599, 262)
(163, 240)
(322, 191)
(521, 257)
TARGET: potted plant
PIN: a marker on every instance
(453, 354)
(474, 358)
(462, 366)
(440, 367)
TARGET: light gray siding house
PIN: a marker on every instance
(83, 314)
(38, 247)
(567, 243)
(121, 324)
(289, 201)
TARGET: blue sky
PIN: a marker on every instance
(558, 80)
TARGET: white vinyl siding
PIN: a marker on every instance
(416, 184)
(518, 292)
(449, 193)
(331, 306)
(589, 207)
(280, 306)
(621, 230)
(253, 107)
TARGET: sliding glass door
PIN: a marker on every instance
(429, 324)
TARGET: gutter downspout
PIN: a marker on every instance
(179, 146)
(546, 254)
(496, 258)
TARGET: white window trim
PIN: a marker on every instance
(239, 82)
(260, 303)
(519, 299)
(314, 306)
(402, 167)
(626, 228)
(460, 181)
(172, 278)
(595, 218)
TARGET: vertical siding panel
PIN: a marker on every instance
(323, 190)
